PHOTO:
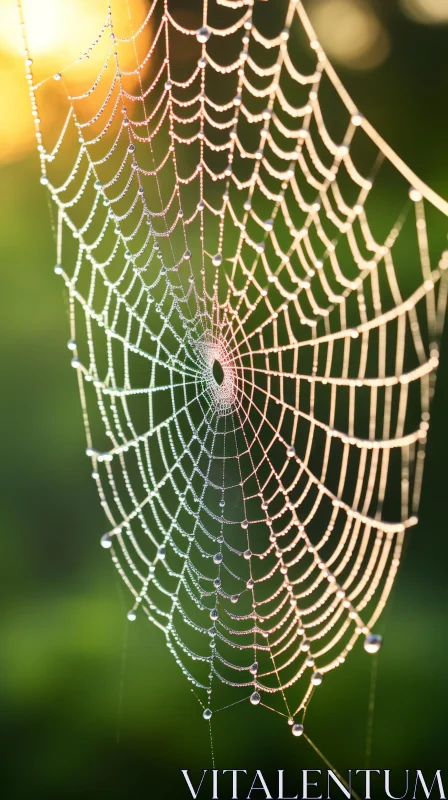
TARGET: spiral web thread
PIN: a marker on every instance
(210, 216)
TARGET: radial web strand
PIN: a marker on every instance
(255, 308)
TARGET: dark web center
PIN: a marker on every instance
(218, 372)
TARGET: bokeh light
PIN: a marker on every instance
(350, 32)
(429, 12)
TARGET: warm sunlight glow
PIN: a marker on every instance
(59, 32)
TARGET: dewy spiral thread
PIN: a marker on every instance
(255, 511)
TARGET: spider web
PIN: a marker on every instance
(254, 311)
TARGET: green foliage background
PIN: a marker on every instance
(93, 706)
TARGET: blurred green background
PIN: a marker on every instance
(91, 705)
